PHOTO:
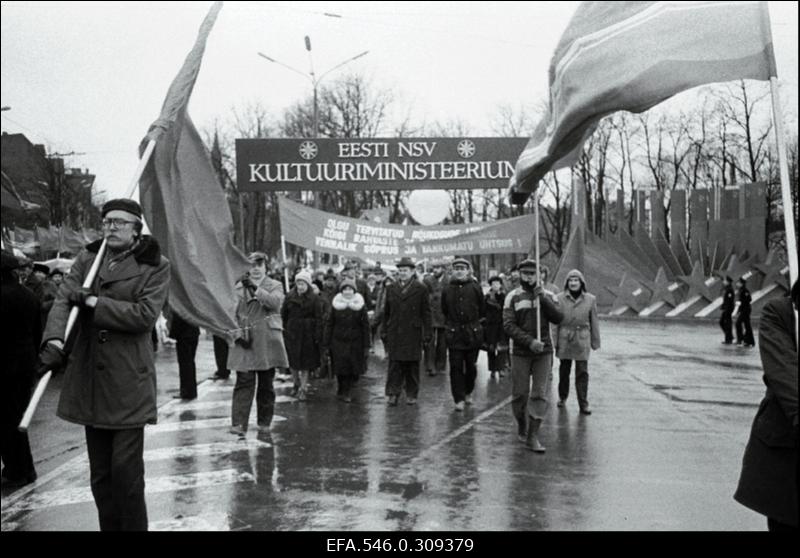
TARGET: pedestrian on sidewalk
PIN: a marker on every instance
(303, 314)
(258, 348)
(464, 311)
(496, 340)
(407, 318)
(347, 336)
(110, 381)
(768, 481)
(186, 336)
(22, 335)
(744, 332)
(728, 304)
(576, 336)
(531, 359)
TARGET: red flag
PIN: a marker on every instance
(186, 209)
(632, 56)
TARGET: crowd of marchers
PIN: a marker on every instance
(319, 324)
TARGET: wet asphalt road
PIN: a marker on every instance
(662, 451)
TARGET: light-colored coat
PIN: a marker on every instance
(110, 380)
(262, 313)
(579, 333)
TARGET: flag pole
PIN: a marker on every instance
(285, 267)
(538, 272)
(786, 192)
(87, 283)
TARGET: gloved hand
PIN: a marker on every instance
(243, 343)
(78, 297)
(51, 358)
(536, 347)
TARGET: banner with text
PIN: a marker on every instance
(326, 232)
(376, 164)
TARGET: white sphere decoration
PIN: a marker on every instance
(428, 207)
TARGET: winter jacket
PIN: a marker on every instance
(407, 320)
(435, 287)
(22, 332)
(768, 482)
(302, 317)
(744, 301)
(261, 313)
(110, 379)
(519, 319)
(464, 311)
(494, 335)
(579, 332)
(346, 335)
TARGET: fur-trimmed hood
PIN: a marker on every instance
(147, 252)
(340, 303)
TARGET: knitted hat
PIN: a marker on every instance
(347, 283)
(303, 276)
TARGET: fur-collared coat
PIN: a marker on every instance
(346, 335)
(110, 380)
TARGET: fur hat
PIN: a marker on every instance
(123, 204)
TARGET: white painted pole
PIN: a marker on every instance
(73, 313)
(285, 266)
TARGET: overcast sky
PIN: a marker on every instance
(90, 77)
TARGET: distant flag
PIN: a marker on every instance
(631, 56)
(186, 209)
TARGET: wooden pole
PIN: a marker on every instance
(285, 267)
(538, 266)
(73, 313)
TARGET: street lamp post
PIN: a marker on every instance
(315, 81)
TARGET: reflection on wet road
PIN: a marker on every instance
(672, 410)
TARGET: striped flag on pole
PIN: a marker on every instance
(631, 56)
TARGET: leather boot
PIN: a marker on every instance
(522, 429)
(532, 440)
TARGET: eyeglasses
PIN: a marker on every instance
(115, 223)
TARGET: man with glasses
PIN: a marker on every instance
(532, 354)
(110, 381)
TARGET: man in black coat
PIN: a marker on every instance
(728, 304)
(464, 310)
(22, 334)
(768, 482)
(407, 319)
(744, 332)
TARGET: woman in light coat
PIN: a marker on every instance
(576, 336)
(259, 349)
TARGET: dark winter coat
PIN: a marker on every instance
(407, 319)
(464, 310)
(768, 482)
(744, 301)
(435, 287)
(180, 328)
(110, 380)
(22, 332)
(347, 335)
(48, 293)
(519, 319)
(303, 317)
(493, 329)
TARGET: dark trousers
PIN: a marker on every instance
(186, 347)
(116, 464)
(243, 397)
(726, 323)
(463, 371)
(344, 384)
(221, 357)
(581, 380)
(16, 450)
(403, 374)
(498, 359)
(743, 323)
(436, 352)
